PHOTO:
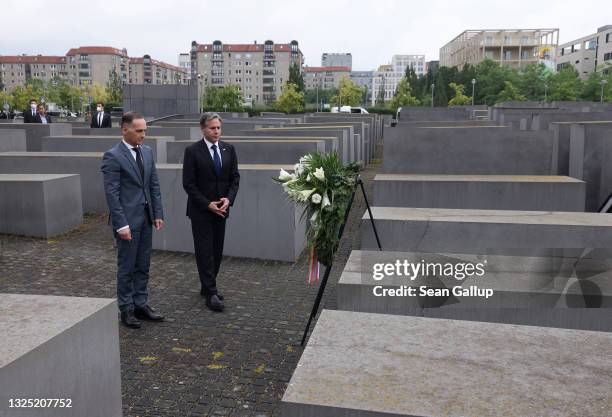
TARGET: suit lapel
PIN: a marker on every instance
(225, 155)
(128, 154)
(208, 157)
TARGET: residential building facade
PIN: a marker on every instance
(588, 54)
(513, 48)
(364, 80)
(386, 79)
(259, 70)
(184, 61)
(401, 62)
(324, 78)
(146, 70)
(88, 64)
(334, 59)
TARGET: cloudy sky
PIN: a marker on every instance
(372, 31)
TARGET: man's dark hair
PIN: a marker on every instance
(100, 103)
(207, 117)
(129, 117)
(33, 100)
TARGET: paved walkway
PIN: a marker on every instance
(196, 363)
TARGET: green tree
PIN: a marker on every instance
(114, 87)
(291, 99)
(440, 97)
(403, 96)
(510, 93)
(565, 85)
(227, 98)
(491, 78)
(532, 81)
(591, 90)
(349, 93)
(459, 99)
(324, 96)
(296, 77)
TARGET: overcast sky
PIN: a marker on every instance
(372, 31)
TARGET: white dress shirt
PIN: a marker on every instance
(100, 118)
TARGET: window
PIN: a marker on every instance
(507, 40)
(489, 54)
(507, 54)
(525, 40)
(524, 54)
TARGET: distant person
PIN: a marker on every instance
(41, 115)
(3, 115)
(134, 201)
(100, 119)
(30, 114)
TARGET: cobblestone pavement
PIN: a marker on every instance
(196, 363)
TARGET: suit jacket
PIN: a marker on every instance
(201, 182)
(126, 192)
(27, 116)
(37, 119)
(106, 120)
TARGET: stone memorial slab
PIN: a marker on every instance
(60, 348)
(35, 131)
(13, 140)
(489, 192)
(378, 365)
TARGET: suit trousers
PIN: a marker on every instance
(133, 261)
(208, 237)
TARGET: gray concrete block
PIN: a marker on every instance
(468, 150)
(589, 160)
(60, 347)
(35, 131)
(534, 291)
(542, 121)
(86, 164)
(262, 224)
(433, 114)
(259, 150)
(466, 230)
(13, 140)
(378, 365)
(40, 205)
(179, 133)
(90, 143)
(447, 123)
(489, 192)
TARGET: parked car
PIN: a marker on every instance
(349, 109)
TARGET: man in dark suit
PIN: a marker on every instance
(41, 115)
(100, 119)
(134, 201)
(211, 180)
(29, 115)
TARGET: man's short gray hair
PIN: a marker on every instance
(207, 117)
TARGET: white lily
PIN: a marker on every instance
(313, 218)
(308, 178)
(285, 176)
(325, 202)
(305, 159)
(316, 198)
(319, 174)
(305, 194)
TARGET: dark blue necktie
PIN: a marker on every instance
(216, 160)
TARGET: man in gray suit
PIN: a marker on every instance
(134, 201)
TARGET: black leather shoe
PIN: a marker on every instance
(214, 303)
(203, 294)
(147, 313)
(129, 320)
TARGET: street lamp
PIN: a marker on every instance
(200, 93)
(433, 85)
(545, 92)
(473, 88)
(603, 83)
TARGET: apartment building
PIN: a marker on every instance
(335, 59)
(88, 64)
(324, 78)
(146, 70)
(259, 70)
(513, 48)
(386, 79)
(184, 61)
(14, 70)
(588, 54)
(364, 80)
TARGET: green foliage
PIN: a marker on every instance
(324, 96)
(460, 99)
(324, 187)
(565, 85)
(227, 98)
(114, 86)
(532, 81)
(403, 96)
(296, 77)
(349, 93)
(291, 99)
(592, 87)
(510, 93)
(440, 97)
